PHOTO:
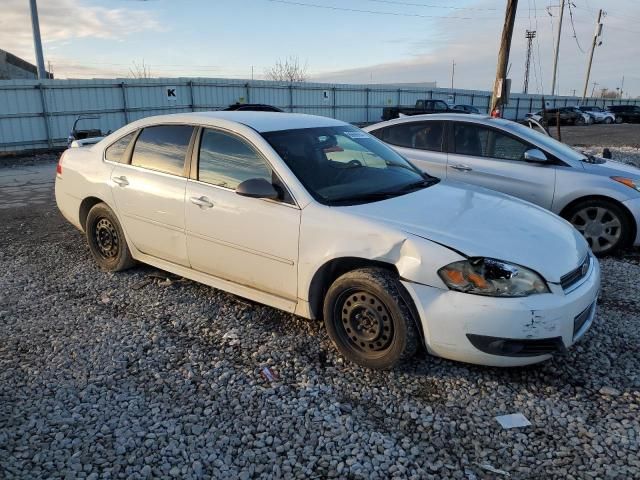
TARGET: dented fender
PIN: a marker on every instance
(323, 230)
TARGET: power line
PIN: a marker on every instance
(374, 12)
(393, 2)
(573, 27)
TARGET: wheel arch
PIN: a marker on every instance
(334, 268)
(85, 206)
(330, 271)
(629, 216)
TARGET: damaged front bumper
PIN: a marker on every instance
(505, 331)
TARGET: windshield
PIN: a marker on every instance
(344, 165)
(555, 147)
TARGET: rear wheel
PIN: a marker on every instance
(603, 224)
(368, 319)
(619, 119)
(106, 239)
(608, 120)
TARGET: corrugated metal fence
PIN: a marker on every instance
(39, 114)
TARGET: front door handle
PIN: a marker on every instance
(202, 202)
(121, 181)
(461, 168)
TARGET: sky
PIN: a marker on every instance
(342, 41)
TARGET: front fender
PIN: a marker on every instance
(327, 234)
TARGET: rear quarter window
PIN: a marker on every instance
(116, 151)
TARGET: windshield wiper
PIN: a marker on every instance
(373, 196)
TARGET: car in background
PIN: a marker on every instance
(600, 198)
(422, 107)
(567, 115)
(315, 217)
(251, 107)
(598, 114)
(466, 108)
(84, 135)
(625, 113)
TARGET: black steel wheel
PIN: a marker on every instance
(366, 323)
(368, 319)
(106, 239)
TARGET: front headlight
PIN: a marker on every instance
(491, 277)
(629, 182)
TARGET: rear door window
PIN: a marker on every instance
(419, 135)
(116, 151)
(162, 148)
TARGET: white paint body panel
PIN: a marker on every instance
(270, 252)
(244, 240)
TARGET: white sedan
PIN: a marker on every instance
(316, 217)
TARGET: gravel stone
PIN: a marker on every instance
(146, 385)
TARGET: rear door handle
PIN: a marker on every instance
(461, 168)
(202, 202)
(121, 181)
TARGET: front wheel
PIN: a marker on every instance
(106, 239)
(619, 120)
(602, 223)
(608, 120)
(368, 320)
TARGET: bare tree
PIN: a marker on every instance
(606, 93)
(288, 70)
(140, 70)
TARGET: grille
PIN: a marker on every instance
(574, 276)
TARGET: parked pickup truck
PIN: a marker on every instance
(422, 106)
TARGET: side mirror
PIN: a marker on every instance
(257, 188)
(535, 155)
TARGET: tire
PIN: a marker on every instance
(106, 239)
(579, 121)
(619, 120)
(368, 319)
(604, 224)
(608, 120)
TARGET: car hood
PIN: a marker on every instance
(479, 222)
(612, 168)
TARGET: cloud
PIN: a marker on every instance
(474, 46)
(67, 20)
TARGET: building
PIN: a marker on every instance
(15, 68)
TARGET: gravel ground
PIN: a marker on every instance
(625, 134)
(134, 375)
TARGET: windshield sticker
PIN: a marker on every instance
(356, 134)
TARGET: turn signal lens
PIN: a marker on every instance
(635, 184)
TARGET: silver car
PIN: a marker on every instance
(600, 198)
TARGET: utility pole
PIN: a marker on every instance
(595, 84)
(453, 72)
(35, 25)
(557, 51)
(500, 89)
(594, 44)
(530, 35)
